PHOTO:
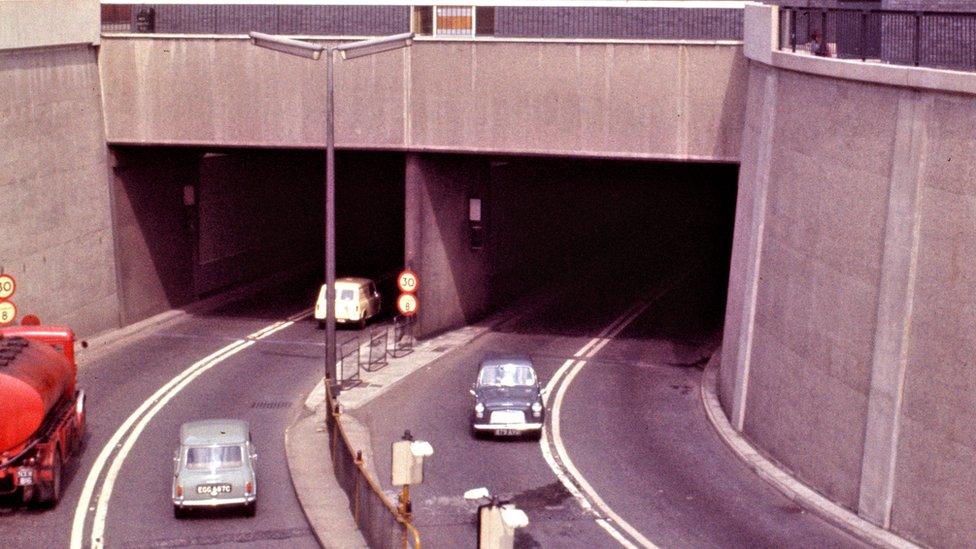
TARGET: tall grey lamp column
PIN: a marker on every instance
(313, 51)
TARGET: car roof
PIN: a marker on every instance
(213, 431)
(498, 360)
(353, 280)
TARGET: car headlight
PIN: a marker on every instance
(536, 409)
(479, 410)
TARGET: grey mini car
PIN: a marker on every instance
(508, 398)
(214, 467)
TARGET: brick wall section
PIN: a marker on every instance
(931, 5)
(295, 20)
(625, 23)
(567, 22)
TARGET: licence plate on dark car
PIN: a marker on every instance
(213, 489)
(508, 432)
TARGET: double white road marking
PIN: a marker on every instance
(554, 451)
(125, 437)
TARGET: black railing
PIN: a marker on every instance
(913, 38)
(583, 22)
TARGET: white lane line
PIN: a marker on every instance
(616, 535)
(101, 510)
(85, 504)
(575, 474)
(560, 463)
(81, 510)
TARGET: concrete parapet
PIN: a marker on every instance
(39, 23)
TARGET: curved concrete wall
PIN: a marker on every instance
(849, 341)
(622, 100)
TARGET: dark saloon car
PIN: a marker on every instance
(508, 398)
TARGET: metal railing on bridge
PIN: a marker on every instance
(914, 38)
(706, 20)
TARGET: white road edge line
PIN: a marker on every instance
(101, 510)
(78, 524)
(84, 502)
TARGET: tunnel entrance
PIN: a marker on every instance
(192, 222)
(553, 216)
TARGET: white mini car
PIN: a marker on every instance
(357, 300)
(214, 467)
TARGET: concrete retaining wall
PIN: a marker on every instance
(848, 332)
(56, 234)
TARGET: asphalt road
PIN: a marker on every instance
(631, 421)
(264, 384)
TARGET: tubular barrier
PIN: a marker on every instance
(381, 524)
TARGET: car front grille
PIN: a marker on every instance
(508, 416)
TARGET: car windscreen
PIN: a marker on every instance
(214, 457)
(347, 295)
(507, 375)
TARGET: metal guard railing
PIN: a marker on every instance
(914, 38)
(378, 519)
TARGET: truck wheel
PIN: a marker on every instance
(49, 493)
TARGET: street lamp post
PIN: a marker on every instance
(313, 51)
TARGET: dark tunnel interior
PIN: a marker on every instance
(193, 222)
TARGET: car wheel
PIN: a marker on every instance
(49, 493)
(479, 434)
(362, 322)
(179, 512)
(536, 435)
(251, 509)
(321, 325)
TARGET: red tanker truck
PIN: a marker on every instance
(42, 414)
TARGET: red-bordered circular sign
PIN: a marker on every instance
(407, 304)
(8, 312)
(7, 286)
(407, 281)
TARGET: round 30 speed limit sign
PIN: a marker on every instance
(407, 304)
(7, 286)
(8, 312)
(407, 281)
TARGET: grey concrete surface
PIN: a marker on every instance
(45, 23)
(780, 479)
(56, 233)
(858, 356)
(454, 283)
(662, 100)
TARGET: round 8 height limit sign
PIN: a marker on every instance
(407, 304)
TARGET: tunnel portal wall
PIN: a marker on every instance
(666, 100)
(849, 345)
